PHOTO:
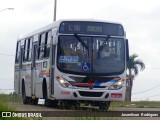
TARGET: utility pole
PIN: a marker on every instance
(55, 9)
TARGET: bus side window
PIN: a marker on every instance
(35, 39)
(25, 57)
(38, 47)
(30, 49)
(41, 46)
(48, 42)
(17, 52)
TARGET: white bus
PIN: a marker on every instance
(72, 61)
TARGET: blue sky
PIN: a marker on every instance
(140, 19)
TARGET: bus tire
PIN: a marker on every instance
(104, 105)
(51, 103)
(25, 99)
(35, 101)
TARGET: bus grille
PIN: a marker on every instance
(90, 94)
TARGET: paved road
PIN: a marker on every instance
(21, 107)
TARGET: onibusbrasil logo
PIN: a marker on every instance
(21, 114)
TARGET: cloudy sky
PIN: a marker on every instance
(140, 19)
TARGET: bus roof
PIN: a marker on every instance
(56, 24)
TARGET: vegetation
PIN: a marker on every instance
(4, 107)
(136, 104)
(12, 97)
(133, 67)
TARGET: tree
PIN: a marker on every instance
(133, 67)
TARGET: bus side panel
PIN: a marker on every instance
(42, 74)
(38, 80)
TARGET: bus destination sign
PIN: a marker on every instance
(94, 28)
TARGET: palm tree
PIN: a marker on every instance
(133, 68)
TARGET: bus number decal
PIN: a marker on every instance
(65, 92)
(94, 29)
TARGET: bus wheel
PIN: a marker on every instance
(35, 101)
(24, 97)
(104, 105)
(51, 103)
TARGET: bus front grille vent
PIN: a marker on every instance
(90, 94)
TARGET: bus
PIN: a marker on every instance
(70, 62)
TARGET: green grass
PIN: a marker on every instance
(12, 97)
(137, 104)
(87, 118)
(5, 108)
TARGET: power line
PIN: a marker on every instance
(147, 89)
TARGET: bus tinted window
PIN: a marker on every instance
(17, 52)
(22, 42)
(30, 44)
(47, 47)
(26, 50)
(41, 51)
(18, 47)
(49, 36)
(30, 49)
(44, 45)
(43, 37)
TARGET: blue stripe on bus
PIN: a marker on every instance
(99, 82)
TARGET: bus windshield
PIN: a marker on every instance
(90, 55)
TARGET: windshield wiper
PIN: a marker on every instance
(81, 41)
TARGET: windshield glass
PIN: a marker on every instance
(94, 55)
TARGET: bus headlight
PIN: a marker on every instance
(63, 82)
(117, 85)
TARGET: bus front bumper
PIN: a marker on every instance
(90, 94)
